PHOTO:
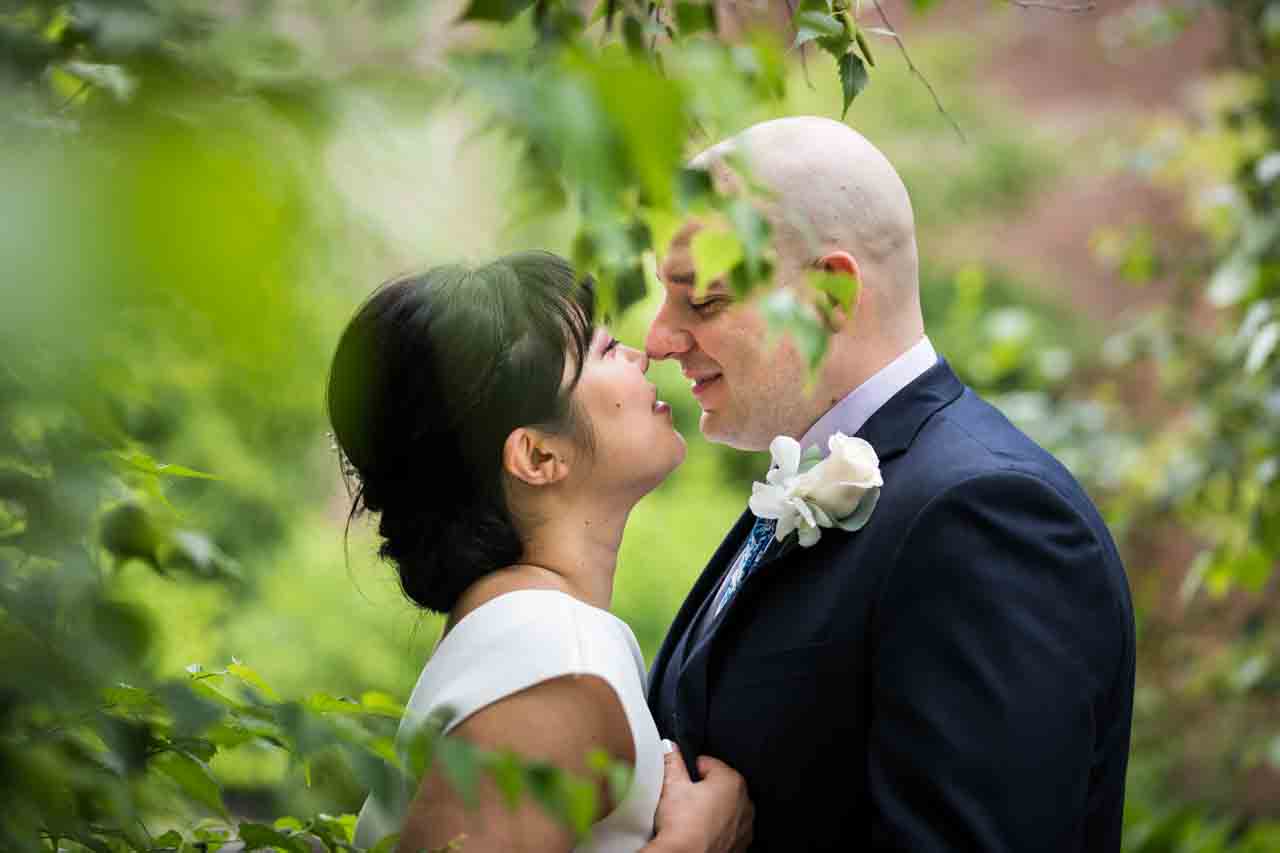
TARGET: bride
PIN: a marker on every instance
(503, 440)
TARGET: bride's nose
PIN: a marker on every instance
(639, 357)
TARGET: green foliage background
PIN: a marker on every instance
(194, 198)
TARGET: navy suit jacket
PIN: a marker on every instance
(956, 675)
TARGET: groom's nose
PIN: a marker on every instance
(666, 339)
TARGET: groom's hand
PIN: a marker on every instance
(714, 815)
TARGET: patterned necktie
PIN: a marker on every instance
(757, 543)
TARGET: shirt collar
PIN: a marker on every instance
(849, 415)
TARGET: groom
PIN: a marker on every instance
(957, 674)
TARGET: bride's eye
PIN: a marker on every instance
(613, 343)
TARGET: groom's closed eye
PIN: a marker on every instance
(708, 305)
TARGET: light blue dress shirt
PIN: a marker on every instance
(852, 412)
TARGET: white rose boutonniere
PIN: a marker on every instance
(806, 494)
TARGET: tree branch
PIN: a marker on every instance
(916, 71)
(1088, 6)
(804, 56)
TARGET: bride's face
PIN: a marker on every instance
(635, 444)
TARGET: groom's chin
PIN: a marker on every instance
(717, 429)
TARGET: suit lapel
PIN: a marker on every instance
(891, 430)
(674, 651)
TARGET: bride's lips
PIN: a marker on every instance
(659, 407)
(701, 386)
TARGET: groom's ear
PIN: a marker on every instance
(841, 263)
(534, 457)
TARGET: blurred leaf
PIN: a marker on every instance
(461, 767)
(694, 18)
(498, 11)
(842, 289)
(788, 317)
(507, 771)
(258, 836)
(113, 78)
(715, 251)
(380, 703)
(250, 676)
(194, 778)
(196, 552)
(633, 35)
(122, 627)
(128, 533)
(387, 844)
(171, 840)
(1262, 347)
(140, 461)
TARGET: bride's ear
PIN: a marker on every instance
(534, 457)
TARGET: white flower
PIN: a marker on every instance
(839, 491)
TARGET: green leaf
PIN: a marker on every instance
(812, 25)
(499, 11)
(694, 188)
(195, 747)
(1262, 346)
(257, 836)
(633, 35)
(461, 767)
(113, 78)
(788, 316)
(853, 79)
(122, 627)
(507, 772)
(196, 552)
(323, 703)
(842, 289)
(715, 252)
(381, 704)
(249, 676)
(387, 844)
(695, 17)
(171, 840)
(142, 462)
(128, 532)
(123, 697)
(194, 778)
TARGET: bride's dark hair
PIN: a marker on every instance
(428, 380)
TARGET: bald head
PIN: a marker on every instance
(832, 190)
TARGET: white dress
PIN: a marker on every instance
(511, 643)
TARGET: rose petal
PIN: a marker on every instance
(809, 536)
(786, 455)
(766, 501)
(802, 507)
(786, 523)
(858, 519)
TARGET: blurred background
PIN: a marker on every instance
(194, 197)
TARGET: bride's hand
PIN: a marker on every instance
(714, 815)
